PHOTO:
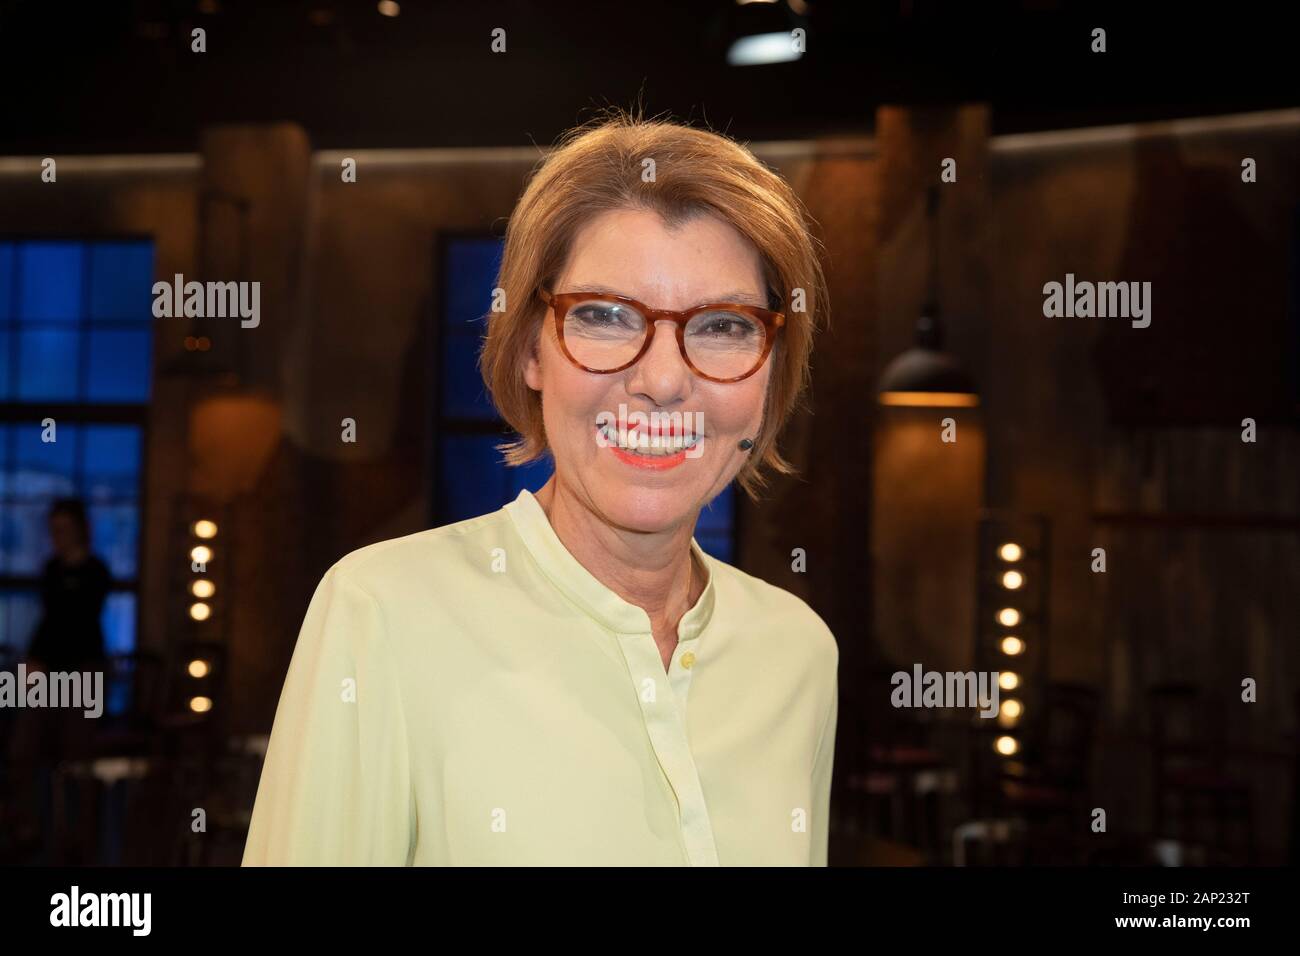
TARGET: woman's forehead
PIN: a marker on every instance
(634, 253)
(735, 296)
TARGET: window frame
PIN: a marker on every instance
(16, 412)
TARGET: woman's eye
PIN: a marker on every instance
(602, 315)
(725, 326)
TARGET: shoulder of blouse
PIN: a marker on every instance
(419, 554)
(761, 600)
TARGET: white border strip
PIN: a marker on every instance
(377, 158)
(107, 164)
(1131, 132)
(776, 149)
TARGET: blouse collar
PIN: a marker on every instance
(601, 603)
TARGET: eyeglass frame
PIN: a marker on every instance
(561, 302)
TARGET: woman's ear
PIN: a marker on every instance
(533, 363)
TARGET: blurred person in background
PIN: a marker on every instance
(68, 638)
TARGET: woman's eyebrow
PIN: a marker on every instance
(740, 298)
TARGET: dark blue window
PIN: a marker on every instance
(470, 269)
(76, 342)
(715, 530)
(470, 477)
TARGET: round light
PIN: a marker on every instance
(1008, 617)
(1008, 680)
(1012, 708)
(1007, 745)
(200, 611)
(1007, 716)
(200, 668)
(205, 529)
(201, 554)
(200, 705)
(1012, 646)
(1010, 552)
(202, 588)
(389, 8)
(1012, 580)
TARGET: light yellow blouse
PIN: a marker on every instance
(472, 696)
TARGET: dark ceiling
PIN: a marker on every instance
(119, 76)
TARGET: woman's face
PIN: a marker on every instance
(631, 252)
(65, 534)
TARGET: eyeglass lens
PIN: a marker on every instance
(605, 335)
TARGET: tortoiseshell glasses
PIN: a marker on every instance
(603, 333)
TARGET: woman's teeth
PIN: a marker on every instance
(642, 444)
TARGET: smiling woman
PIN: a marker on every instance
(572, 679)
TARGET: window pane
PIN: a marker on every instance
(716, 544)
(121, 281)
(44, 469)
(7, 264)
(473, 478)
(111, 461)
(717, 514)
(114, 536)
(471, 272)
(531, 476)
(119, 623)
(25, 537)
(50, 281)
(464, 394)
(6, 357)
(119, 366)
(715, 529)
(47, 365)
(20, 611)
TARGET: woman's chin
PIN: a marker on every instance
(647, 509)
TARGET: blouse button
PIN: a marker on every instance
(688, 659)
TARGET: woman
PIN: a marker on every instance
(74, 587)
(69, 639)
(571, 680)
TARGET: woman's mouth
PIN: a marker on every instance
(641, 449)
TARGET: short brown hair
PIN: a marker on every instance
(597, 167)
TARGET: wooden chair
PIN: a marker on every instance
(1195, 799)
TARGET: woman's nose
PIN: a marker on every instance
(662, 373)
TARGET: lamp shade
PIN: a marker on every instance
(232, 439)
(925, 375)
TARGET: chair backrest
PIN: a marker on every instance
(1182, 729)
(887, 727)
(138, 679)
(1071, 725)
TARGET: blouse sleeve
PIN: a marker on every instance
(336, 788)
(822, 767)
